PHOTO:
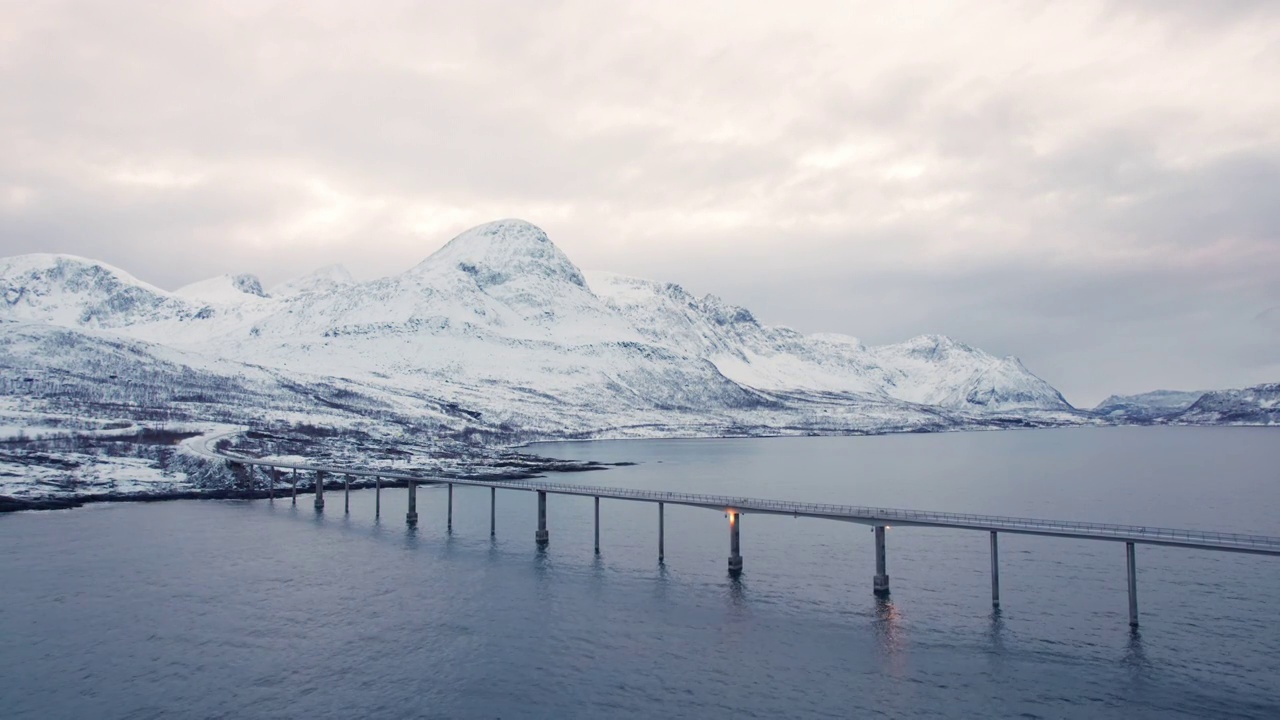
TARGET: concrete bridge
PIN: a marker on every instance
(735, 507)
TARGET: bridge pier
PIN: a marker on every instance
(661, 533)
(377, 497)
(411, 517)
(294, 480)
(995, 571)
(735, 554)
(449, 520)
(493, 511)
(346, 494)
(1132, 564)
(319, 490)
(272, 474)
(597, 498)
(542, 536)
(881, 583)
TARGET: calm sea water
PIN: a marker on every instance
(262, 610)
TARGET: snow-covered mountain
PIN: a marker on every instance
(499, 330)
(929, 370)
(325, 278)
(1147, 406)
(225, 290)
(70, 291)
(1257, 405)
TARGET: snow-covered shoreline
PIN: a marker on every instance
(47, 476)
(107, 478)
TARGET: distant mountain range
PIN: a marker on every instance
(1257, 405)
(1148, 406)
(497, 334)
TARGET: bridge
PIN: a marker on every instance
(735, 507)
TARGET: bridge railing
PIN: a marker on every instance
(916, 516)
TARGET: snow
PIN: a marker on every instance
(499, 333)
(1148, 405)
(224, 290)
(930, 369)
(326, 278)
(1257, 405)
(495, 340)
(85, 475)
(71, 291)
(32, 431)
(502, 252)
(35, 263)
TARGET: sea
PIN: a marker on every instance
(266, 609)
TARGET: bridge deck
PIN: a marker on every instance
(1204, 540)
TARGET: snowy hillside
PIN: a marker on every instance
(321, 280)
(1257, 405)
(226, 290)
(1147, 406)
(930, 369)
(70, 291)
(499, 333)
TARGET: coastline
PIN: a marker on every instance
(536, 469)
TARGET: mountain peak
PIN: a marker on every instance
(501, 251)
(223, 289)
(933, 347)
(67, 265)
(327, 277)
(69, 290)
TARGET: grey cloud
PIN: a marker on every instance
(1236, 196)
(1190, 14)
(169, 238)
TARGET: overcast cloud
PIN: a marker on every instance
(1094, 187)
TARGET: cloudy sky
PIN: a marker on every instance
(1094, 187)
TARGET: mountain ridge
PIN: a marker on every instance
(500, 321)
(1253, 405)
